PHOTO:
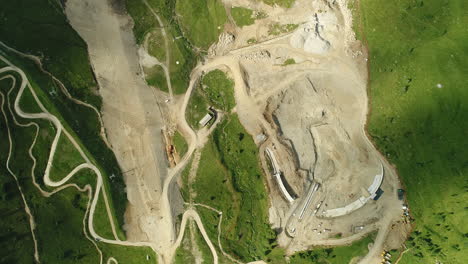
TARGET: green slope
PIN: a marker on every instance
(40, 27)
(418, 68)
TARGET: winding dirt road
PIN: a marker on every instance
(61, 183)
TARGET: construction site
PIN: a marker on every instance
(327, 184)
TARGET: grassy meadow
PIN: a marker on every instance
(418, 56)
(234, 184)
(180, 144)
(40, 28)
(245, 17)
(215, 89)
(182, 57)
(201, 21)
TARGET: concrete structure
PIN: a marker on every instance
(277, 176)
(205, 119)
(361, 201)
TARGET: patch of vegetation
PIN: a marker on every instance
(251, 41)
(180, 143)
(203, 247)
(144, 21)
(202, 21)
(242, 16)
(65, 160)
(197, 107)
(180, 52)
(277, 29)
(282, 3)
(101, 219)
(219, 90)
(260, 15)
(156, 44)
(155, 77)
(184, 253)
(336, 255)
(215, 89)
(40, 28)
(28, 103)
(245, 17)
(418, 69)
(229, 169)
(184, 182)
(128, 255)
(289, 62)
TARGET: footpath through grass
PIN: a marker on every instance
(418, 89)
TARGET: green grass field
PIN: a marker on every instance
(27, 102)
(40, 28)
(181, 54)
(155, 77)
(242, 16)
(202, 21)
(336, 255)
(277, 29)
(219, 90)
(66, 159)
(180, 143)
(197, 107)
(233, 184)
(156, 44)
(418, 69)
(215, 89)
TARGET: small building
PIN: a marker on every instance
(204, 121)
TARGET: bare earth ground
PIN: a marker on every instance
(312, 113)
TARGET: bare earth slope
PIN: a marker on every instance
(131, 116)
